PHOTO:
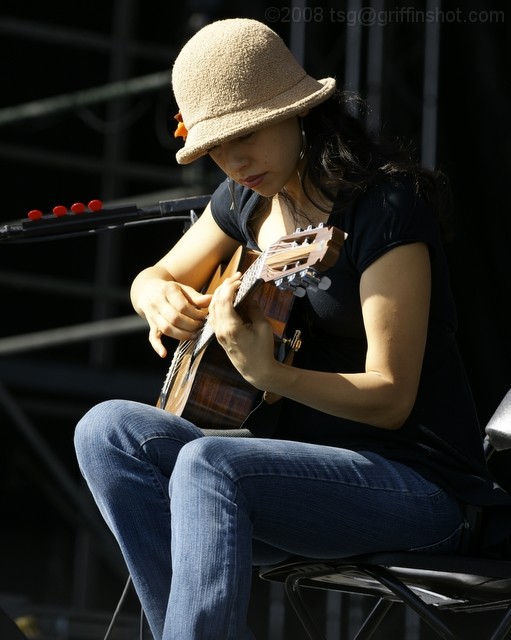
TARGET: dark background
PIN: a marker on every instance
(54, 553)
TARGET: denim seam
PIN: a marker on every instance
(436, 493)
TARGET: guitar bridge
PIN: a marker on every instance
(287, 349)
(295, 342)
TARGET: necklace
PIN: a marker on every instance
(299, 215)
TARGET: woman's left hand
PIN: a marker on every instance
(247, 338)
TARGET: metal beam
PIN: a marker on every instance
(297, 33)
(84, 98)
(108, 548)
(374, 70)
(157, 174)
(353, 50)
(66, 335)
(51, 381)
(78, 38)
(61, 286)
(430, 87)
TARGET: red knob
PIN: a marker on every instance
(59, 210)
(95, 205)
(35, 214)
(78, 207)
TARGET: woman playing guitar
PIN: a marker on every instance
(370, 440)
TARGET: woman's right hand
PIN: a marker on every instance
(158, 293)
(172, 309)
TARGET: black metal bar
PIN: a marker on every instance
(50, 226)
(373, 620)
(294, 595)
(409, 598)
(504, 627)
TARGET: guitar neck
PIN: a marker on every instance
(201, 384)
(249, 280)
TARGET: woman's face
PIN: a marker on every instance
(265, 160)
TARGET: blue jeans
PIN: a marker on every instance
(193, 514)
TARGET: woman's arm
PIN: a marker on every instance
(395, 297)
(167, 293)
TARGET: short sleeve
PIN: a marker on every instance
(231, 206)
(386, 217)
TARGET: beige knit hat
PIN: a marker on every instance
(234, 76)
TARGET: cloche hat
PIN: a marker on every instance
(234, 76)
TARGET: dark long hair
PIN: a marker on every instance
(343, 160)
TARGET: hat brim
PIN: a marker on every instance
(209, 132)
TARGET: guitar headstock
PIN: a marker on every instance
(295, 261)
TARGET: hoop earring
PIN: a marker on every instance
(301, 155)
(231, 191)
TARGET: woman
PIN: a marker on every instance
(374, 444)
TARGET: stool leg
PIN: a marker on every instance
(412, 600)
(372, 622)
(9, 630)
(293, 593)
(504, 627)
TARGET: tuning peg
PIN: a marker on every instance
(324, 283)
(286, 283)
(309, 278)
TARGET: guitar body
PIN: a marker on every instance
(206, 389)
(202, 385)
(210, 392)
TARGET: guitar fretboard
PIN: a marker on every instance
(248, 279)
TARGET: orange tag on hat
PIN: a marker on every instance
(181, 131)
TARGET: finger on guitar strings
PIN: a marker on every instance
(155, 336)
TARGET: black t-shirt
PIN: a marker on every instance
(441, 438)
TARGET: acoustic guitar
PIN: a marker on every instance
(201, 384)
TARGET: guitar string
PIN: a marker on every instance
(206, 333)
